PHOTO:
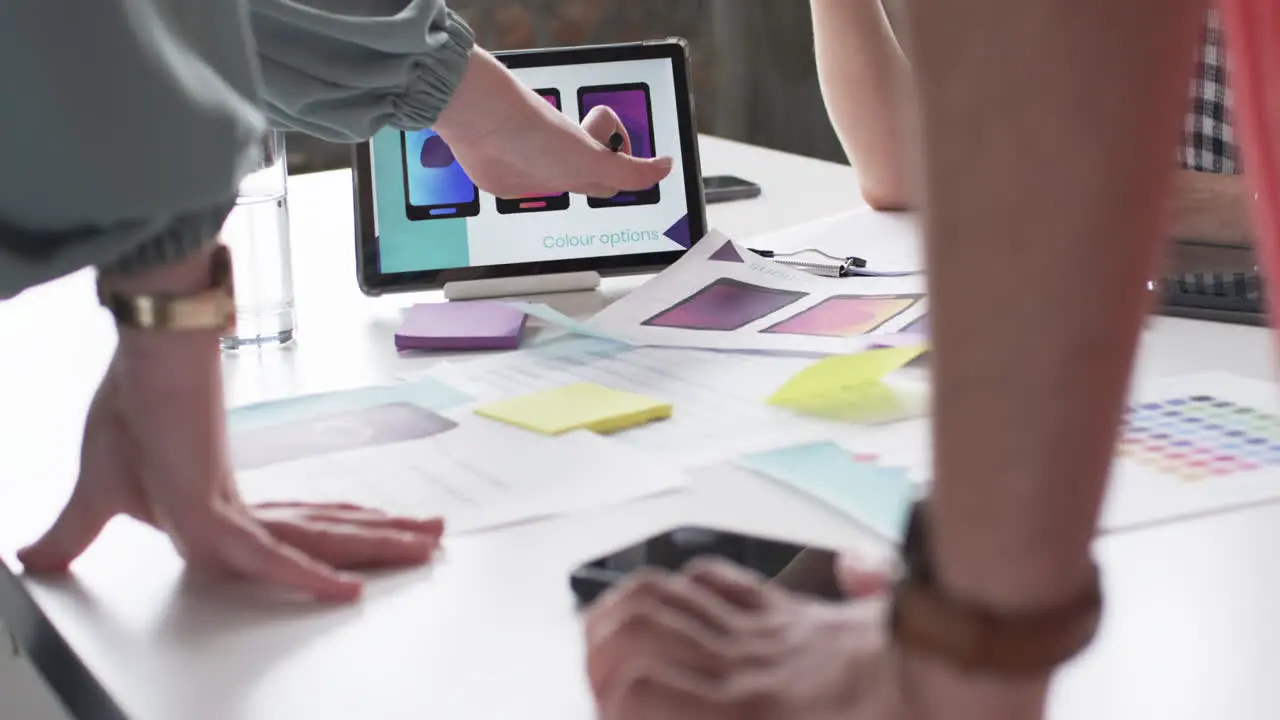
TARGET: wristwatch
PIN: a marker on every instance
(975, 639)
(210, 309)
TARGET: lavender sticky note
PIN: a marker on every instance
(474, 325)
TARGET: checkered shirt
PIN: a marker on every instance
(1209, 143)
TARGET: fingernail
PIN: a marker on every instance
(32, 562)
(861, 563)
(349, 591)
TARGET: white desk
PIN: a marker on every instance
(489, 631)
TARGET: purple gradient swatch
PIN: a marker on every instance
(845, 315)
(725, 304)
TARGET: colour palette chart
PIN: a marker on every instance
(1194, 445)
(1200, 436)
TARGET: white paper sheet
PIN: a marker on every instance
(718, 398)
(1240, 440)
(889, 242)
(479, 475)
(720, 295)
(550, 315)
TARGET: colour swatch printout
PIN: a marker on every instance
(725, 304)
(721, 295)
(1200, 436)
(1194, 445)
(845, 315)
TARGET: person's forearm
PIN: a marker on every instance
(1211, 208)
(866, 83)
(1048, 126)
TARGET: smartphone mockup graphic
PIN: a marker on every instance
(537, 203)
(631, 104)
(435, 185)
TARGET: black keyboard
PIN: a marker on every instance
(1213, 283)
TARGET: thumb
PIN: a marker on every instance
(627, 172)
(79, 524)
(859, 577)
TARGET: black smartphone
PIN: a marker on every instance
(723, 188)
(809, 570)
(435, 185)
(630, 102)
(537, 203)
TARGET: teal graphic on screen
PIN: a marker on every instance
(630, 102)
(435, 184)
(536, 203)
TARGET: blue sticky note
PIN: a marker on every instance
(877, 497)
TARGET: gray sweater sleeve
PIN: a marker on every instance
(124, 141)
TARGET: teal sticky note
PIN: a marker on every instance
(551, 316)
(427, 392)
(875, 496)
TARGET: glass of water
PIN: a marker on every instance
(257, 232)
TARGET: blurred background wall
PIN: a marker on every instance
(753, 67)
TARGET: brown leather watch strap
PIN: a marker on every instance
(977, 639)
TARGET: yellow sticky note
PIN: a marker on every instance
(579, 406)
(873, 402)
(850, 387)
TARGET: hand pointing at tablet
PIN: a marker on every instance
(511, 142)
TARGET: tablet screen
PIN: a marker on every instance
(431, 224)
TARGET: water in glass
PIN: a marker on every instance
(257, 232)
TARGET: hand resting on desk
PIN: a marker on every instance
(155, 449)
(718, 642)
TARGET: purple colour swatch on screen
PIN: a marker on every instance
(436, 153)
(632, 108)
(679, 232)
(461, 326)
(725, 304)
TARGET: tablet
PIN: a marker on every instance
(422, 223)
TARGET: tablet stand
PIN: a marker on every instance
(524, 285)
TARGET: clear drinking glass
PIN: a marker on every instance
(257, 232)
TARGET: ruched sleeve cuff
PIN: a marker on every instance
(30, 257)
(178, 238)
(342, 74)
